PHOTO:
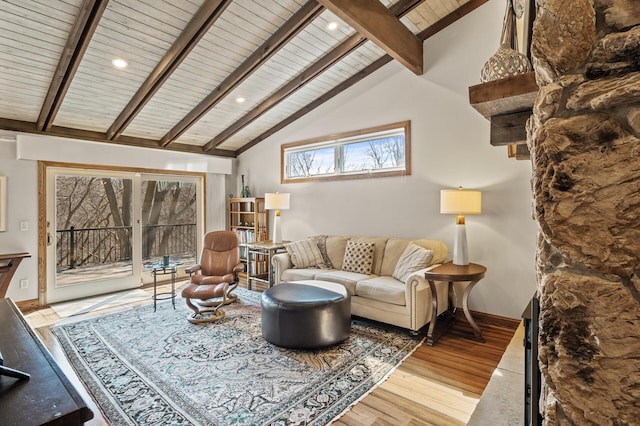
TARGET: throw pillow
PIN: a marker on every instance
(304, 253)
(412, 259)
(321, 241)
(358, 257)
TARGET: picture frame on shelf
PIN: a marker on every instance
(3, 203)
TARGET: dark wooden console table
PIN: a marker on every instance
(47, 398)
(8, 265)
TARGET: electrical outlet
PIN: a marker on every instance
(24, 225)
(24, 283)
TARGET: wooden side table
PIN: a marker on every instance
(454, 273)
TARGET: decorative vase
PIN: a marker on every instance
(242, 193)
(507, 61)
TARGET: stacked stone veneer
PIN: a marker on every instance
(585, 149)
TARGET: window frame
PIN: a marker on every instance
(337, 141)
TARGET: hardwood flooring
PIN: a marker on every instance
(438, 385)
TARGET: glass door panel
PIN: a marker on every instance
(91, 234)
(169, 220)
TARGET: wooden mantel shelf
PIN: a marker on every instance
(511, 94)
(507, 104)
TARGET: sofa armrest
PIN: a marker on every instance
(417, 282)
(280, 262)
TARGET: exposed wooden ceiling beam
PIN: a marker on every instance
(319, 101)
(89, 135)
(377, 23)
(208, 13)
(442, 23)
(293, 85)
(399, 9)
(303, 17)
(423, 35)
(79, 38)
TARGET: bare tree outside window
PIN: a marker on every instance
(312, 162)
(377, 152)
(94, 218)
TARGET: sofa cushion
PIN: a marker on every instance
(392, 252)
(347, 279)
(299, 274)
(438, 247)
(413, 259)
(335, 250)
(384, 289)
(304, 253)
(358, 257)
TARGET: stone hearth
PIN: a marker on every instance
(585, 148)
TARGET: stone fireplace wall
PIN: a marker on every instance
(585, 148)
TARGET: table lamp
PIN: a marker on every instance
(460, 202)
(276, 201)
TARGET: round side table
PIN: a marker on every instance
(454, 273)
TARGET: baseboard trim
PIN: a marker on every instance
(489, 319)
(27, 306)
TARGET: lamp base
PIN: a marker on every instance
(277, 231)
(460, 250)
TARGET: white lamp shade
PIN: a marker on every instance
(276, 201)
(460, 201)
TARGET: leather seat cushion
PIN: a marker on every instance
(204, 292)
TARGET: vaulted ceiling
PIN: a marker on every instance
(206, 76)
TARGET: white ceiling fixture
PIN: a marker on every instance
(332, 25)
(119, 63)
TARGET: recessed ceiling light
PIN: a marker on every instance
(119, 63)
(332, 25)
(240, 99)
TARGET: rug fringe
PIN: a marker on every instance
(384, 379)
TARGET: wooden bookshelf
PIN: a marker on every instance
(250, 220)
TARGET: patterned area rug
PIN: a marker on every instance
(156, 368)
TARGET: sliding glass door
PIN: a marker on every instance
(170, 218)
(103, 225)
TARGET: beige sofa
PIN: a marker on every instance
(376, 295)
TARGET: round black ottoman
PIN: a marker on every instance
(306, 316)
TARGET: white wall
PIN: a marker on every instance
(450, 148)
(22, 205)
(18, 161)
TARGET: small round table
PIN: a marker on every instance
(162, 268)
(454, 273)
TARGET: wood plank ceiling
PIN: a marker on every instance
(190, 61)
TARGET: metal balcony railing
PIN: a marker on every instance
(77, 247)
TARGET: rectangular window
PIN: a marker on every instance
(376, 152)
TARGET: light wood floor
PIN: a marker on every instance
(437, 385)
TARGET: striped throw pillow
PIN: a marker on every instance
(412, 259)
(304, 254)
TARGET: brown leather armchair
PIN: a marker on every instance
(215, 277)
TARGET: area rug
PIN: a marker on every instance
(156, 368)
